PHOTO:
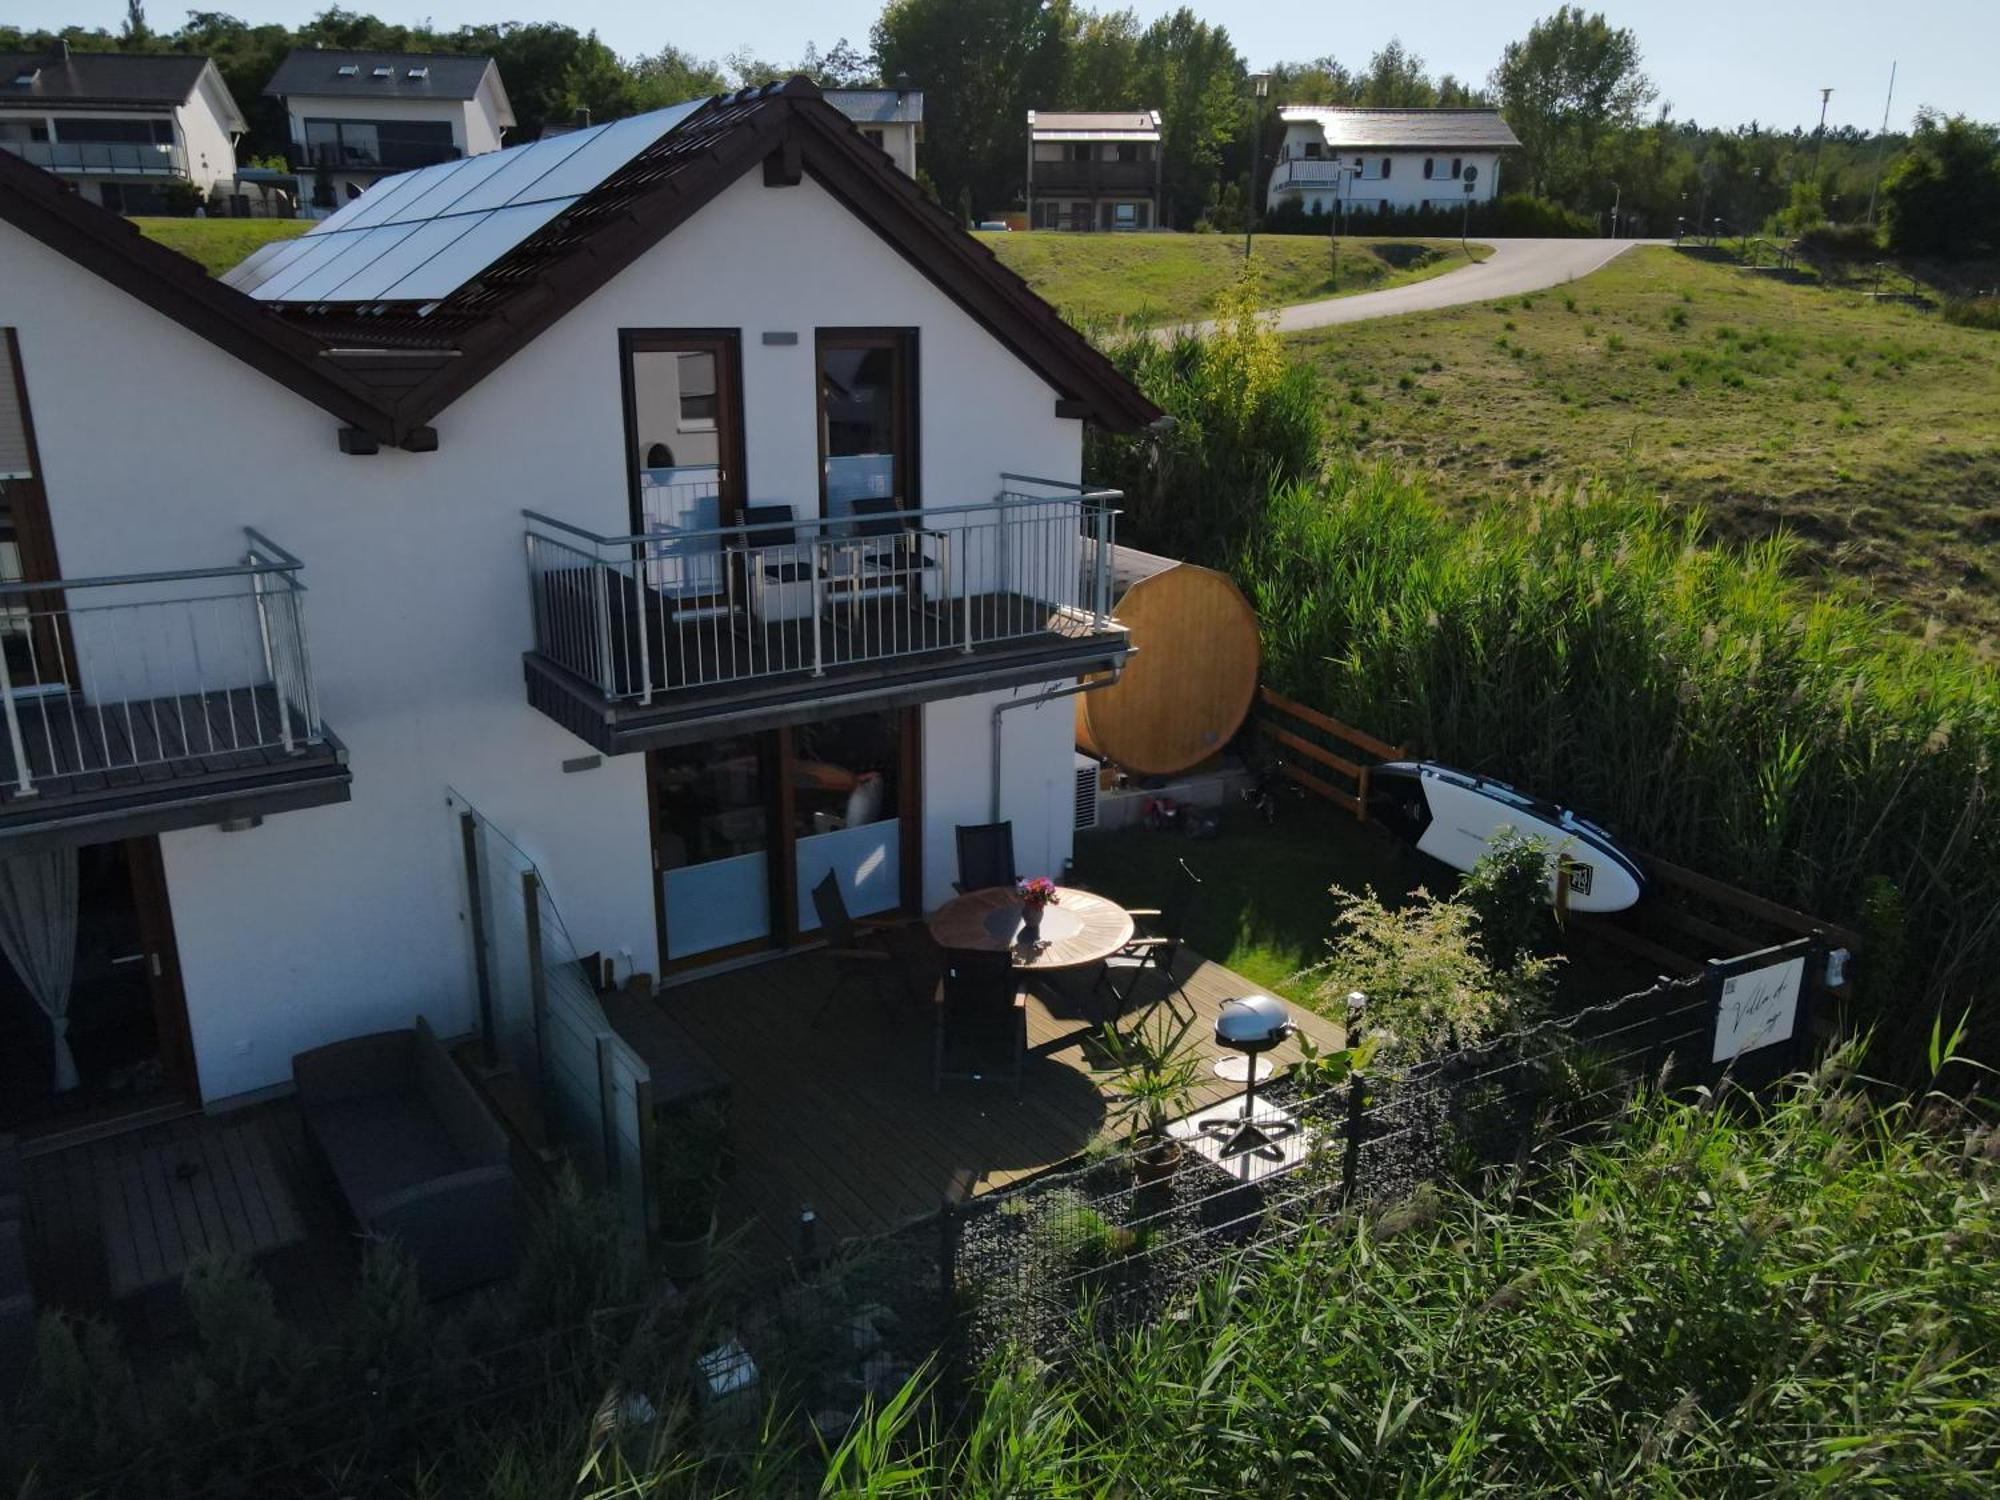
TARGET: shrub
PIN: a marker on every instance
(1508, 892)
(1244, 417)
(1973, 312)
(1429, 987)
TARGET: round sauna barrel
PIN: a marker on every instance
(1189, 682)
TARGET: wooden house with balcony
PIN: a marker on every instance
(123, 128)
(688, 494)
(1094, 169)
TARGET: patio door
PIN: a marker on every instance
(745, 827)
(89, 938)
(684, 444)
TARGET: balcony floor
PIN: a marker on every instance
(162, 762)
(843, 1116)
(760, 674)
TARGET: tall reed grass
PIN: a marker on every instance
(1698, 698)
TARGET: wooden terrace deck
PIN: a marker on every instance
(843, 1116)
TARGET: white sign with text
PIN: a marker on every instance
(1758, 1009)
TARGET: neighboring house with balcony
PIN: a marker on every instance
(890, 119)
(1364, 161)
(1094, 170)
(756, 413)
(121, 127)
(359, 116)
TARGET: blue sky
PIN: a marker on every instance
(1718, 61)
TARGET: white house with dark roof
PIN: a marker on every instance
(120, 126)
(1367, 160)
(1094, 169)
(795, 467)
(359, 116)
(891, 119)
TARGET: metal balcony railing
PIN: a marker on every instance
(122, 158)
(677, 607)
(165, 670)
(1305, 172)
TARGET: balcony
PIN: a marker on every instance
(107, 159)
(1135, 177)
(1299, 174)
(385, 156)
(152, 701)
(684, 632)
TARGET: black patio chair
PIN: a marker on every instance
(772, 531)
(981, 1011)
(1155, 948)
(855, 961)
(985, 856)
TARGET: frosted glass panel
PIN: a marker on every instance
(867, 860)
(712, 905)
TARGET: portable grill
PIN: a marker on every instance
(1252, 1026)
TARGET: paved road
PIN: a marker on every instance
(1515, 266)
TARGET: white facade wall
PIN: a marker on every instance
(339, 920)
(204, 132)
(1369, 190)
(899, 140)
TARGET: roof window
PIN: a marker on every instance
(420, 72)
(25, 79)
(384, 71)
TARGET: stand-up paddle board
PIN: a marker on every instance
(1452, 816)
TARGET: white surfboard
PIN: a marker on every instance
(1454, 817)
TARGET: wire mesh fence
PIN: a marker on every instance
(1119, 1241)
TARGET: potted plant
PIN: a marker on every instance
(1037, 895)
(1152, 1074)
(689, 1149)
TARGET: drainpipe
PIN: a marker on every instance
(1037, 701)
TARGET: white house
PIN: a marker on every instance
(1367, 160)
(122, 127)
(891, 119)
(359, 116)
(1094, 169)
(788, 608)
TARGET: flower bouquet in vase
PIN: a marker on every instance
(1036, 896)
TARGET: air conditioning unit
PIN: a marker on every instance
(1086, 792)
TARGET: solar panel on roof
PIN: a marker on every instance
(422, 235)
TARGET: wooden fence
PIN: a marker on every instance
(1687, 921)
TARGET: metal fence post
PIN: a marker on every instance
(475, 911)
(538, 979)
(24, 784)
(950, 1343)
(1357, 1115)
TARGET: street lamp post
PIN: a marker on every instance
(1260, 85)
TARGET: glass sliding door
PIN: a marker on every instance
(846, 805)
(744, 828)
(712, 829)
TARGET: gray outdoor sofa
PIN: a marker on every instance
(418, 1155)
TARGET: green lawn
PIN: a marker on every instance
(1872, 431)
(219, 243)
(1175, 278)
(1266, 906)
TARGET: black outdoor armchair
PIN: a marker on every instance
(982, 1018)
(985, 856)
(1156, 948)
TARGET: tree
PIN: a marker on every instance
(1190, 72)
(670, 76)
(841, 66)
(1396, 80)
(993, 61)
(1572, 79)
(138, 35)
(1943, 196)
(1104, 62)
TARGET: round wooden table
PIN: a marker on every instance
(1081, 928)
